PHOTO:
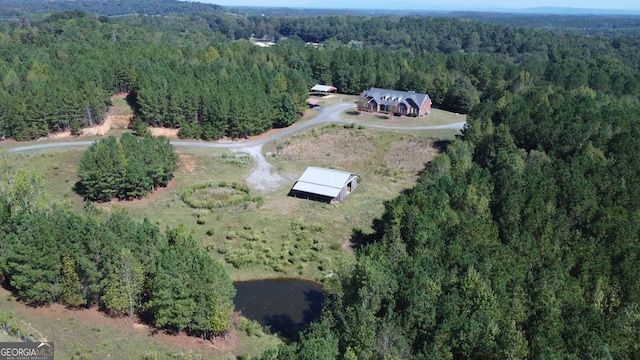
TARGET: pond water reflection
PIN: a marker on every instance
(286, 306)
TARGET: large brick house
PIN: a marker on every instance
(398, 102)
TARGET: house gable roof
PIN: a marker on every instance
(322, 181)
(389, 97)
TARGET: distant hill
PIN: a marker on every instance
(573, 11)
(13, 9)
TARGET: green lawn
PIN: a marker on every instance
(435, 117)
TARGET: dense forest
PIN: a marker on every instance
(76, 62)
(26, 9)
(521, 240)
(197, 73)
(586, 21)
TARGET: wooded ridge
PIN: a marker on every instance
(194, 73)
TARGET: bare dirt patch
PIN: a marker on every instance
(118, 116)
(187, 163)
(410, 155)
(121, 121)
(137, 202)
(168, 132)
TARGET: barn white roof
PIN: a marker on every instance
(323, 88)
(322, 181)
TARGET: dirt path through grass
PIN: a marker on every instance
(262, 177)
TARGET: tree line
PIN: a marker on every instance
(21, 9)
(51, 254)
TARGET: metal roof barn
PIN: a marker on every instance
(325, 184)
(323, 88)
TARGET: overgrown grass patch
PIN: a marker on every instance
(215, 196)
(15, 330)
(301, 246)
(251, 328)
(237, 159)
(120, 106)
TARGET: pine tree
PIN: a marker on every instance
(190, 290)
(286, 111)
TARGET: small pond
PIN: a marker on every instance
(286, 306)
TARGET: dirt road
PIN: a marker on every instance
(262, 177)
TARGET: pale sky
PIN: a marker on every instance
(436, 4)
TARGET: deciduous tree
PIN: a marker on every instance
(124, 285)
(71, 289)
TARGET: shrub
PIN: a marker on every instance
(250, 327)
(317, 228)
(151, 355)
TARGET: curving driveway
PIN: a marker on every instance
(326, 115)
(262, 178)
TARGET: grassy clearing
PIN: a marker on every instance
(282, 235)
(285, 236)
(58, 169)
(120, 106)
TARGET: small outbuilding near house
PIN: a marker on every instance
(325, 184)
(323, 89)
